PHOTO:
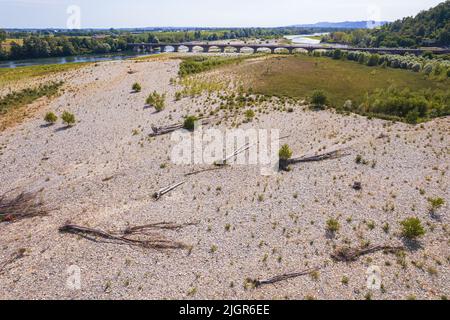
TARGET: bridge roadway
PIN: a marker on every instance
(206, 47)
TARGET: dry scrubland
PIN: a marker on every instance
(102, 172)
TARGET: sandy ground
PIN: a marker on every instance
(101, 174)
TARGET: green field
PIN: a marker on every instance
(8, 75)
(298, 76)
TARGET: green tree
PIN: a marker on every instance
(2, 35)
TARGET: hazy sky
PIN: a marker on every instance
(212, 13)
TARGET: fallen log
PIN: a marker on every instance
(347, 254)
(159, 131)
(259, 283)
(163, 191)
(14, 257)
(152, 240)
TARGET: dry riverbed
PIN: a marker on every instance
(102, 173)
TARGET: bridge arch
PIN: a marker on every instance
(263, 49)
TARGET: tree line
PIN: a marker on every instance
(44, 43)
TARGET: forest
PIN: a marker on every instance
(428, 28)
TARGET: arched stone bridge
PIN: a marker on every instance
(206, 47)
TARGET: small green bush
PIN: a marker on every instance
(412, 228)
(68, 118)
(373, 60)
(137, 87)
(50, 118)
(157, 100)
(337, 54)
(285, 152)
(319, 98)
(436, 203)
(412, 117)
(249, 114)
(189, 123)
(333, 225)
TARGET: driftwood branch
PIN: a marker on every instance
(14, 257)
(326, 156)
(244, 148)
(284, 277)
(163, 191)
(151, 240)
(202, 171)
(24, 205)
(347, 254)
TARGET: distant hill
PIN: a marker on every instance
(344, 25)
(431, 27)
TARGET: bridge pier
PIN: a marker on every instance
(176, 48)
(206, 49)
(190, 48)
(272, 50)
(222, 49)
(291, 50)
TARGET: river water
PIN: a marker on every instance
(72, 59)
(303, 39)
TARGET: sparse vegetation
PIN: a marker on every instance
(435, 203)
(319, 98)
(189, 123)
(68, 118)
(158, 101)
(333, 225)
(285, 152)
(412, 228)
(136, 87)
(50, 118)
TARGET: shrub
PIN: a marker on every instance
(249, 114)
(137, 87)
(412, 228)
(416, 67)
(157, 100)
(189, 123)
(428, 69)
(333, 225)
(285, 152)
(68, 118)
(436, 203)
(178, 96)
(337, 54)
(50, 117)
(373, 60)
(412, 117)
(319, 98)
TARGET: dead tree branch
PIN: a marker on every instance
(259, 283)
(24, 205)
(163, 191)
(326, 156)
(151, 241)
(347, 254)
